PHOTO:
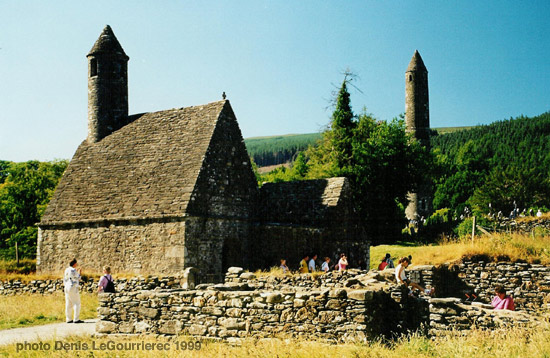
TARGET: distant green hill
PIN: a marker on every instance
(280, 149)
(498, 164)
(519, 142)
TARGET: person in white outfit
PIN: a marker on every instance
(71, 280)
(402, 278)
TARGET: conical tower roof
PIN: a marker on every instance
(107, 44)
(416, 63)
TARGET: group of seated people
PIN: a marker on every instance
(501, 301)
(308, 264)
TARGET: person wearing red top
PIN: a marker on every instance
(382, 264)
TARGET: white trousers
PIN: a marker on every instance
(72, 301)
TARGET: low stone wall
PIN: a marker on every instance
(533, 226)
(529, 284)
(349, 278)
(16, 287)
(340, 306)
(452, 314)
(230, 311)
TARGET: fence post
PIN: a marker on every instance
(16, 254)
(473, 229)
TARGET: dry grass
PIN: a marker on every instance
(278, 272)
(545, 216)
(32, 309)
(478, 344)
(6, 275)
(506, 247)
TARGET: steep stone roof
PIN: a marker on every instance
(107, 43)
(146, 169)
(416, 63)
(306, 202)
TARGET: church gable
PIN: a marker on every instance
(226, 185)
(146, 169)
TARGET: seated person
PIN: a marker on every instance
(283, 266)
(383, 264)
(501, 301)
(389, 261)
(401, 277)
(303, 265)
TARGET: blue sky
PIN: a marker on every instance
(278, 62)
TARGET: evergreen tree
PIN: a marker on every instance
(381, 161)
(342, 125)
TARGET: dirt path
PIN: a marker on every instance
(46, 332)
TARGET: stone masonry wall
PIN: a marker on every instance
(455, 315)
(344, 306)
(16, 287)
(233, 311)
(213, 245)
(528, 284)
(275, 242)
(144, 247)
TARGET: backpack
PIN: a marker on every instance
(110, 287)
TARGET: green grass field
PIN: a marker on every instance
(34, 309)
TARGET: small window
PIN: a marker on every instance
(117, 67)
(93, 67)
(410, 78)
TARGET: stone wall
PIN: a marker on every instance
(352, 305)
(145, 246)
(232, 311)
(16, 287)
(530, 226)
(276, 242)
(529, 284)
(308, 217)
(455, 315)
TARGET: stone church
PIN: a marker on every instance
(162, 191)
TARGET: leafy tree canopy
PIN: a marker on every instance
(24, 194)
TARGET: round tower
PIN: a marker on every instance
(107, 86)
(417, 121)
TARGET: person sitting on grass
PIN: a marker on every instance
(501, 301)
(389, 261)
(383, 264)
(401, 277)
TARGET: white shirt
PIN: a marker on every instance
(71, 278)
(311, 265)
(324, 266)
(403, 276)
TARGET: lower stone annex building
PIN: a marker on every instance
(159, 192)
